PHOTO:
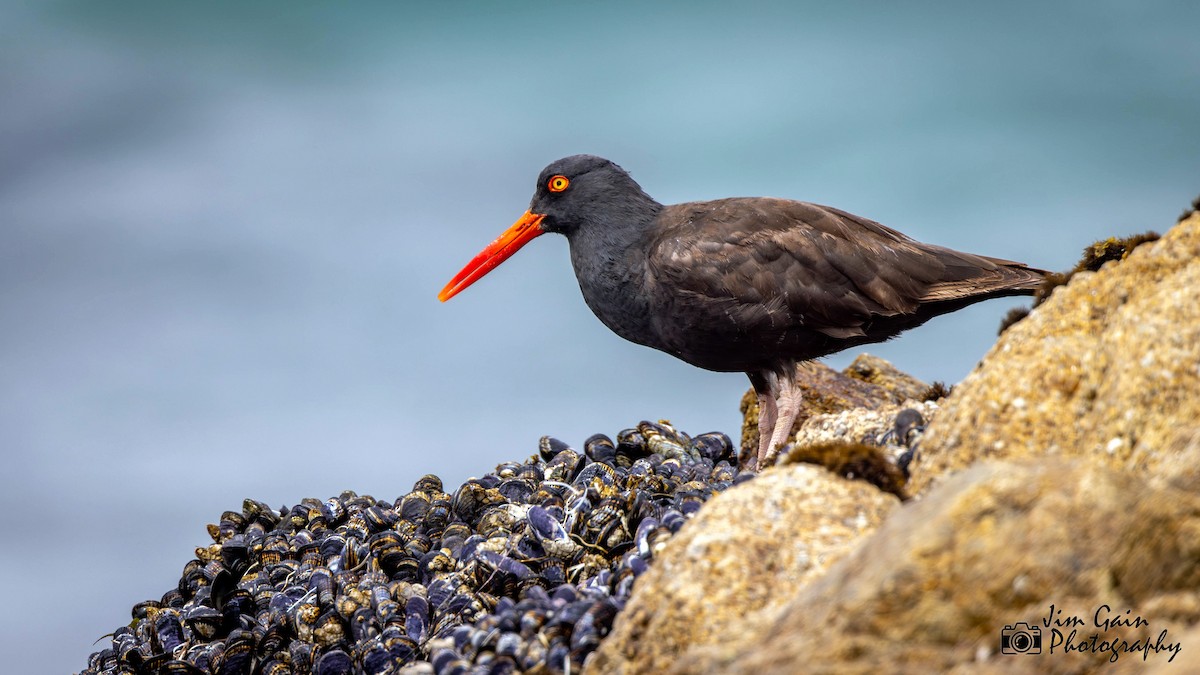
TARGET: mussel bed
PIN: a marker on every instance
(522, 570)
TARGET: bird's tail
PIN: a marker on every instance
(971, 278)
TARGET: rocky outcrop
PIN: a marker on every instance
(1108, 369)
(997, 544)
(1056, 487)
(867, 384)
(717, 578)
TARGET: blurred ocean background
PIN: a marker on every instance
(223, 226)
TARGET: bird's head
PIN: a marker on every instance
(573, 193)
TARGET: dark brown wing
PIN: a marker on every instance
(963, 275)
(774, 265)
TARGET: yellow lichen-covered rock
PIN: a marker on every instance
(932, 589)
(1108, 368)
(736, 564)
(867, 384)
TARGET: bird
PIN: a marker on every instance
(757, 285)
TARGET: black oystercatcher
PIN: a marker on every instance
(745, 284)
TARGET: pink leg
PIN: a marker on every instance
(767, 414)
(788, 403)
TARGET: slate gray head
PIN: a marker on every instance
(584, 189)
(571, 193)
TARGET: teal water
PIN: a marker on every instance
(223, 227)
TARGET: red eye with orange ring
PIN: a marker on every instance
(557, 183)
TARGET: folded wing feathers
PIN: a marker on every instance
(813, 263)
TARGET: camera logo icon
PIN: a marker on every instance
(1021, 638)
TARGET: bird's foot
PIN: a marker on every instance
(771, 456)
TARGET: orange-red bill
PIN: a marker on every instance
(522, 232)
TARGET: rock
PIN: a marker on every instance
(898, 384)
(868, 383)
(860, 425)
(1108, 369)
(932, 588)
(736, 565)
(1185, 663)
